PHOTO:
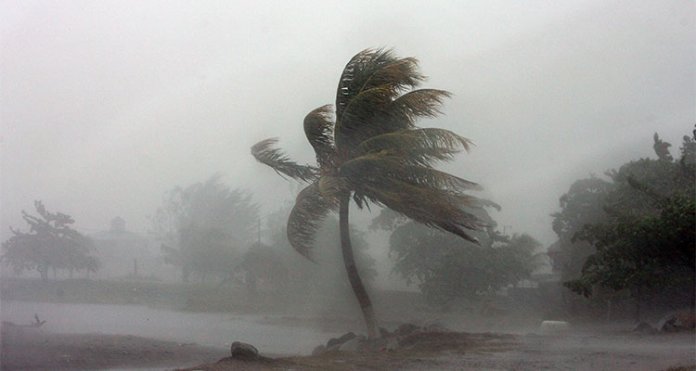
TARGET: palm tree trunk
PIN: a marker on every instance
(352, 269)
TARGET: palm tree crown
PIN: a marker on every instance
(370, 149)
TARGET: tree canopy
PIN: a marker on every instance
(447, 268)
(642, 236)
(204, 227)
(50, 243)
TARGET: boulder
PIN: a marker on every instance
(352, 345)
(668, 323)
(244, 351)
(338, 341)
(684, 320)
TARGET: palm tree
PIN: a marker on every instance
(372, 151)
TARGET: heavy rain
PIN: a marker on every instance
(361, 185)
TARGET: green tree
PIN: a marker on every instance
(583, 204)
(645, 239)
(446, 267)
(373, 152)
(204, 226)
(50, 243)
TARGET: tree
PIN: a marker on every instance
(638, 253)
(633, 189)
(446, 267)
(645, 240)
(583, 204)
(51, 243)
(373, 152)
(204, 226)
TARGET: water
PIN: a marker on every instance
(208, 329)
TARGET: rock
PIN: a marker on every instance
(668, 323)
(677, 321)
(244, 351)
(352, 345)
(340, 340)
(644, 328)
(333, 347)
(320, 349)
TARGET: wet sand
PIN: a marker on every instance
(26, 348)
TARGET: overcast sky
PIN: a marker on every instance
(105, 105)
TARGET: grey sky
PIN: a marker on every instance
(105, 105)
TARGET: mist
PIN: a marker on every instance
(105, 107)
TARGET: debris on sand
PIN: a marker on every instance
(406, 337)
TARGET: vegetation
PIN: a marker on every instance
(643, 238)
(372, 151)
(204, 226)
(446, 267)
(582, 205)
(51, 243)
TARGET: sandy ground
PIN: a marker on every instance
(461, 351)
(37, 349)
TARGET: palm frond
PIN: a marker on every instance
(372, 68)
(432, 207)
(264, 153)
(417, 103)
(331, 186)
(364, 117)
(377, 168)
(306, 218)
(418, 146)
(319, 129)
(370, 83)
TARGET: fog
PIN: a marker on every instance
(105, 106)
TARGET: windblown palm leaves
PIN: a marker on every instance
(371, 148)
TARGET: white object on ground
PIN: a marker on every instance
(554, 327)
